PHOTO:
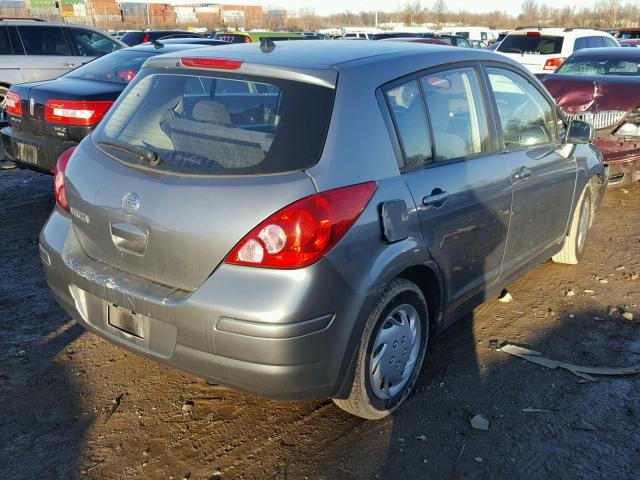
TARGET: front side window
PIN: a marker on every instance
(92, 44)
(526, 117)
(405, 103)
(457, 113)
(221, 124)
(44, 40)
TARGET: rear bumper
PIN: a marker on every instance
(34, 152)
(280, 334)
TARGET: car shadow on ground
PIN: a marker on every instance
(42, 426)
(543, 423)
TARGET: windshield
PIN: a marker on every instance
(219, 125)
(117, 67)
(531, 44)
(600, 66)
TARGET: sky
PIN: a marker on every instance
(324, 7)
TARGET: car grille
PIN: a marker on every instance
(600, 120)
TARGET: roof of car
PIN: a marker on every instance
(610, 52)
(167, 48)
(320, 53)
(557, 30)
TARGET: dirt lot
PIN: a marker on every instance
(74, 406)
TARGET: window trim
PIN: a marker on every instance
(484, 65)
(9, 43)
(418, 75)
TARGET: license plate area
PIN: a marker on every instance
(27, 153)
(127, 321)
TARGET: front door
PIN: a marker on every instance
(459, 182)
(543, 171)
(47, 52)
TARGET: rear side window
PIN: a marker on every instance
(91, 44)
(44, 40)
(609, 42)
(531, 44)
(456, 110)
(587, 42)
(200, 124)
(120, 67)
(5, 46)
(527, 118)
(405, 103)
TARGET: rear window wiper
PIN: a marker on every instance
(142, 153)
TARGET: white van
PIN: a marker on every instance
(472, 33)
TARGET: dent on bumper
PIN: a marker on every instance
(282, 334)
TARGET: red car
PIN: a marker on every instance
(601, 86)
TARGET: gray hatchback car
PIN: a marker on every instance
(297, 220)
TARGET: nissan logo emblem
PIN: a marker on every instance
(130, 203)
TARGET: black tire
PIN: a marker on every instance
(574, 243)
(362, 400)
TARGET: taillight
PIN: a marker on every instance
(304, 231)
(533, 34)
(58, 183)
(217, 63)
(75, 112)
(146, 38)
(13, 103)
(553, 63)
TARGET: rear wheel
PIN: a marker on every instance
(391, 352)
(576, 240)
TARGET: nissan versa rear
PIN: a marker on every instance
(297, 220)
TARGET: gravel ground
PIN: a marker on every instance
(75, 406)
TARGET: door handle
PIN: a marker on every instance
(522, 174)
(437, 198)
(68, 64)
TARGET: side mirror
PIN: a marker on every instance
(580, 132)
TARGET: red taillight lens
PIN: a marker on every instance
(553, 63)
(58, 183)
(146, 38)
(74, 112)
(533, 34)
(13, 103)
(301, 233)
(217, 63)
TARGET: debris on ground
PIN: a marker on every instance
(422, 438)
(505, 297)
(187, 406)
(628, 316)
(479, 422)
(569, 293)
(585, 426)
(579, 370)
(116, 402)
(534, 410)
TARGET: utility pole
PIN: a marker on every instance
(148, 17)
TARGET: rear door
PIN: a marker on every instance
(9, 68)
(458, 180)
(48, 54)
(542, 170)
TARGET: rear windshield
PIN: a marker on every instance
(531, 44)
(118, 67)
(601, 66)
(221, 124)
